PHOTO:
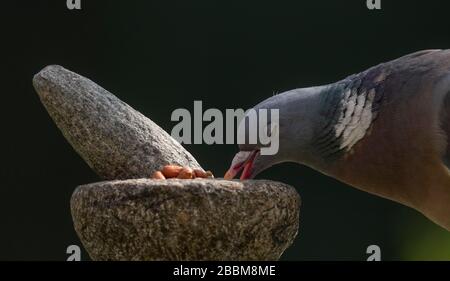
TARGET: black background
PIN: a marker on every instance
(159, 56)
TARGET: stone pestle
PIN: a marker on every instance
(115, 140)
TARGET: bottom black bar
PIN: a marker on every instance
(226, 270)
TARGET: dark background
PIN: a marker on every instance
(159, 56)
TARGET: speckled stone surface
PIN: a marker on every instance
(202, 219)
(115, 140)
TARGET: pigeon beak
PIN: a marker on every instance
(246, 166)
(232, 172)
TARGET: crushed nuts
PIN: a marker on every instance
(175, 171)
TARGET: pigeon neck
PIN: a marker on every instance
(326, 143)
(347, 110)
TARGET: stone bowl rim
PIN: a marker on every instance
(234, 185)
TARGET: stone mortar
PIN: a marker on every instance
(197, 219)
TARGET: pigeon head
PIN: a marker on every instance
(282, 130)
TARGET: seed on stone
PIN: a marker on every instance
(158, 176)
(171, 171)
(186, 173)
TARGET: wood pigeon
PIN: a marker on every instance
(383, 131)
